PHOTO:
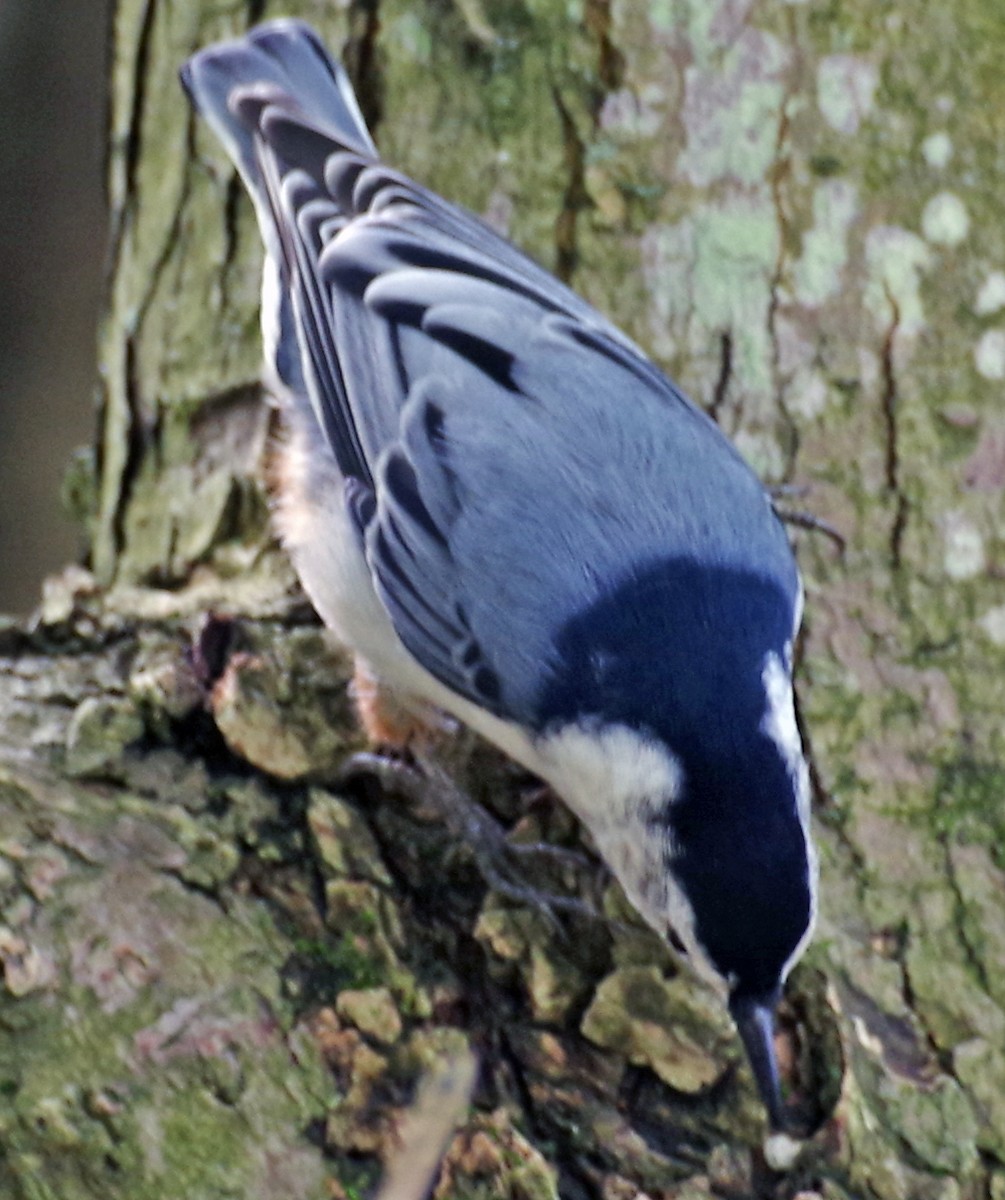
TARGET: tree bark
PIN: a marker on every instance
(223, 973)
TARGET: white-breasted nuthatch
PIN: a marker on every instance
(507, 511)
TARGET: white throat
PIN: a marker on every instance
(622, 784)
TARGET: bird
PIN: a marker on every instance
(512, 516)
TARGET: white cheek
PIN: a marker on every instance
(622, 786)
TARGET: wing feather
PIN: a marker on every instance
(509, 456)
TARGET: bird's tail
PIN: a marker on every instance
(278, 61)
(280, 65)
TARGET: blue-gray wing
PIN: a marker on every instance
(539, 466)
(509, 456)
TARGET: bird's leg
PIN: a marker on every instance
(561, 855)
(427, 783)
(390, 720)
(397, 726)
(477, 828)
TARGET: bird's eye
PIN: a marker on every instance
(675, 941)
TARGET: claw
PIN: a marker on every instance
(470, 823)
(560, 854)
(800, 517)
(806, 520)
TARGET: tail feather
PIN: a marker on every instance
(278, 65)
(283, 57)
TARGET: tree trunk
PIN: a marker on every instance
(224, 978)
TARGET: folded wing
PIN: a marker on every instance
(477, 408)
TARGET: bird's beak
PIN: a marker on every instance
(755, 1019)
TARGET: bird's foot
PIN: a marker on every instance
(428, 784)
(806, 520)
(802, 518)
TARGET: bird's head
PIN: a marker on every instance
(716, 854)
(671, 731)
